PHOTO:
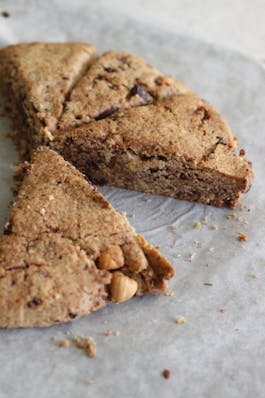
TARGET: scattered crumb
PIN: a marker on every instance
(191, 256)
(88, 380)
(115, 333)
(197, 225)
(222, 310)
(253, 276)
(86, 343)
(242, 237)
(208, 284)
(157, 247)
(166, 373)
(5, 14)
(42, 211)
(64, 343)
(214, 227)
(242, 152)
(204, 222)
(244, 207)
(181, 319)
(169, 293)
(231, 216)
(173, 227)
(148, 200)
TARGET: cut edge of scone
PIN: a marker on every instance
(67, 252)
(178, 147)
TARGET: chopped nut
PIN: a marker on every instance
(112, 258)
(197, 225)
(86, 343)
(181, 319)
(64, 343)
(166, 373)
(242, 237)
(122, 287)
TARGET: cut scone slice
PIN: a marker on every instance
(36, 78)
(116, 80)
(66, 252)
(179, 147)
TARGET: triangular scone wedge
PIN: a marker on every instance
(116, 80)
(66, 252)
(179, 147)
(36, 79)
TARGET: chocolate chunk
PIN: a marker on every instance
(34, 302)
(137, 89)
(106, 113)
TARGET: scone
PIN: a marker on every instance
(123, 123)
(66, 252)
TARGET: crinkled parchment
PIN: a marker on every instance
(220, 350)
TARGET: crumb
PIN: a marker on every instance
(244, 207)
(197, 225)
(169, 293)
(88, 381)
(222, 310)
(173, 227)
(86, 343)
(166, 373)
(191, 256)
(242, 237)
(208, 284)
(5, 14)
(115, 333)
(181, 319)
(64, 343)
(214, 227)
(253, 276)
(242, 152)
(204, 222)
(157, 247)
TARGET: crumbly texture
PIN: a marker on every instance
(36, 79)
(116, 80)
(179, 146)
(56, 231)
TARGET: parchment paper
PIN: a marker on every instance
(220, 350)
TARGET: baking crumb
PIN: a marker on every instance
(181, 319)
(173, 227)
(64, 343)
(205, 222)
(115, 333)
(222, 310)
(42, 211)
(244, 207)
(242, 237)
(253, 276)
(207, 284)
(5, 14)
(166, 373)
(88, 380)
(214, 227)
(86, 343)
(191, 256)
(197, 225)
(169, 293)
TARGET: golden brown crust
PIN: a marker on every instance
(54, 236)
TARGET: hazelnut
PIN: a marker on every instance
(111, 259)
(122, 287)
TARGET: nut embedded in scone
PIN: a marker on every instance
(122, 288)
(111, 259)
